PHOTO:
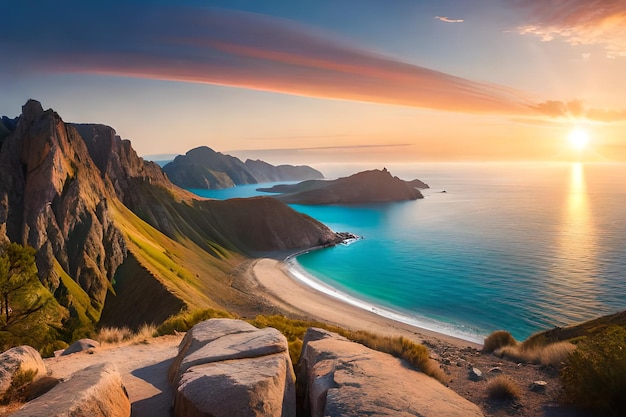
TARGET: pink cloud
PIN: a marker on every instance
(579, 22)
(247, 50)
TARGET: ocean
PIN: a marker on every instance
(521, 246)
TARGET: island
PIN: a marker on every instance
(374, 186)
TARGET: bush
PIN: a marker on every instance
(503, 388)
(497, 340)
(21, 380)
(594, 376)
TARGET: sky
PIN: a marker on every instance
(329, 80)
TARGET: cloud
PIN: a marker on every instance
(216, 46)
(576, 109)
(579, 22)
(448, 20)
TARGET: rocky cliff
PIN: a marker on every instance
(81, 196)
(206, 169)
(373, 186)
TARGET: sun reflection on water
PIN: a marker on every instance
(572, 276)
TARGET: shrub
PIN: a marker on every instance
(503, 388)
(497, 340)
(594, 376)
(20, 382)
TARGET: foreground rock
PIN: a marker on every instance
(96, 391)
(341, 378)
(374, 186)
(230, 368)
(22, 359)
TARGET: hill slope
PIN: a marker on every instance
(103, 221)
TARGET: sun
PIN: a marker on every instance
(578, 138)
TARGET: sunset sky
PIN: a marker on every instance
(329, 80)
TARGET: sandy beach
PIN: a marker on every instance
(291, 295)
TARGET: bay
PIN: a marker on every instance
(522, 247)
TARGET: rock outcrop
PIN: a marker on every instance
(206, 169)
(374, 186)
(96, 391)
(338, 377)
(230, 368)
(23, 359)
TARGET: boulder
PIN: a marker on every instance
(228, 367)
(253, 387)
(19, 359)
(80, 346)
(338, 377)
(96, 391)
(203, 333)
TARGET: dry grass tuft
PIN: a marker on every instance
(145, 332)
(497, 340)
(550, 355)
(114, 335)
(503, 388)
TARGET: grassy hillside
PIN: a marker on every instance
(578, 332)
(182, 270)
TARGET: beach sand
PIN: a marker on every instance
(293, 296)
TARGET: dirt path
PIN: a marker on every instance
(143, 367)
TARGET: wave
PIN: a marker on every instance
(296, 271)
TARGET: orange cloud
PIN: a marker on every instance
(580, 22)
(576, 109)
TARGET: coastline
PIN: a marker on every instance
(289, 293)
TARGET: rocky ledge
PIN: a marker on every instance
(227, 367)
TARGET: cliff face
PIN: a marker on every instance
(81, 196)
(206, 169)
(53, 198)
(373, 186)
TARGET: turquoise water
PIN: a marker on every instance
(522, 247)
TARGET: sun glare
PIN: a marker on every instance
(578, 138)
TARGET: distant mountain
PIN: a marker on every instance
(374, 186)
(204, 168)
(117, 243)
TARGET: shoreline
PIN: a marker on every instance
(290, 293)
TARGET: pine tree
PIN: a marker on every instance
(18, 279)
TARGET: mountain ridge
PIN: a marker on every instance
(204, 168)
(81, 196)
